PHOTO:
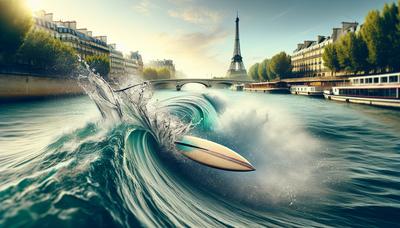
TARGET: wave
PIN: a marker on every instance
(123, 170)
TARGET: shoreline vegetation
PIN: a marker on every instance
(374, 49)
(26, 51)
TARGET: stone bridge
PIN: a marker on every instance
(178, 83)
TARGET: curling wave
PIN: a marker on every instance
(121, 169)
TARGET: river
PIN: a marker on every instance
(319, 163)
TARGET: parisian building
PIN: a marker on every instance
(83, 41)
(138, 58)
(117, 62)
(79, 38)
(307, 58)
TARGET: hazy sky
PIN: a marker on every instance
(198, 35)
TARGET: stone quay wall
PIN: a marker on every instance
(16, 86)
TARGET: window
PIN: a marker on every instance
(384, 79)
(393, 79)
(376, 80)
(362, 81)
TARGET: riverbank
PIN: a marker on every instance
(20, 86)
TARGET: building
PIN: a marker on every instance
(131, 68)
(138, 58)
(166, 63)
(117, 63)
(83, 41)
(66, 31)
(307, 58)
(236, 69)
(44, 22)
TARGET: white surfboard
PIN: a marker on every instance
(212, 154)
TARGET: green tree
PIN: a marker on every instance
(150, 73)
(281, 65)
(390, 22)
(330, 58)
(373, 35)
(100, 63)
(163, 73)
(46, 54)
(352, 53)
(15, 22)
(253, 72)
(262, 70)
(270, 73)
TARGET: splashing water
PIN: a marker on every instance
(117, 167)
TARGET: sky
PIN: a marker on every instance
(199, 35)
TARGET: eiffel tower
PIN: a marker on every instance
(236, 69)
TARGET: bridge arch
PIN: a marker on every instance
(178, 83)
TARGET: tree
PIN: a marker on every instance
(390, 22)
(270, 73)
(253, 72)
(262, 70)
(99, 63)
(358, 54)
(46, 54)
(15, 22)
(372, 34)
(163, 73)
(352, 53)
(150, 73)
(330, 58)
(281, 65)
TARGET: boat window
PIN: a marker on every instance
(369, 80)
(376, 80)
(393, 79)
(362, 81)
(384, 79)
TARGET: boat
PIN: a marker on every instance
(212, 154)
(379, 90)
(268, 87)
(307, 90)
(238, 87)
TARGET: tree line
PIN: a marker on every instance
(151, 73)
(24, 49)
(278, 67)
(375, 48)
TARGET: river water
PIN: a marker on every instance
(319, 163)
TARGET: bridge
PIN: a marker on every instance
(178, 83)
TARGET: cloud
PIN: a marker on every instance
(143, 7)
(192, 51)
(180, 2)
(198, 15)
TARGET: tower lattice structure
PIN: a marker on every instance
(237, 69)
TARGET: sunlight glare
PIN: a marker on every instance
(33, 5)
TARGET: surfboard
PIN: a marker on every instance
(212, 154)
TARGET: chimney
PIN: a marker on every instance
(349, 27)
(48, 17)
(299, 46)
(72, 24)
(83, 30)
(335, 33)
(102, 38)
(307, 43)
(320, 39)
(113, 46)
